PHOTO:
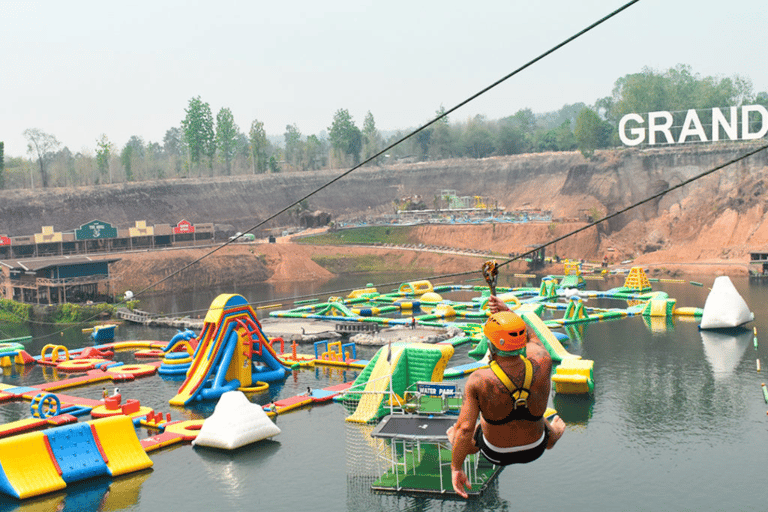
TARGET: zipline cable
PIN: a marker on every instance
(383, 151)
(546, 244)
(399, 141)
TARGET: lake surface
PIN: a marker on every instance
(677, 422)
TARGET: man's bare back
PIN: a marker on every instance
(487, 398)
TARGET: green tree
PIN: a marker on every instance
(258, 146)
(126, 157)
(516, 133)
(103, 154)
(676, 89)
(174, 149)
(423, 140)
(43, 145)
(132, 154)
(441, 140)
(173, 142)
(545, 140)
(477, 140)
(274, 167)
(525, 120)
(314, 151)
(588, 132)
(2, 164)
(198, 131)
(62, 171)
(564, 137)
(153, 161)
(345, 137)
(510, 138)
(294, 151)
(226, 137)
(371, 137)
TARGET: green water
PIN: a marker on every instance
(677, 422)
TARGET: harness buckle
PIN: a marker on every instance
(520, 402)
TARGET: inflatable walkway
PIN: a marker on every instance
(229, 345)
(407, 364)
(36, 463)
(547, 337)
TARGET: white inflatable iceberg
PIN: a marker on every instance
(724, 307)
(234, 423)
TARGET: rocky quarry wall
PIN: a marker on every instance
(720, 216)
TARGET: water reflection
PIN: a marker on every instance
(574, 409)
(98, 495)
(659, 324)
(724, 350)
(671, 409)
(575, 333)
(233, 469)
(197, 301)
(360, 497)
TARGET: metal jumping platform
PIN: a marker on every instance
(419, 456)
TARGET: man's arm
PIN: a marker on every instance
(495, 304)
(463, 433)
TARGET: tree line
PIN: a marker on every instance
(207, 145)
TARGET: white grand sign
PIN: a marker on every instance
(658, 127)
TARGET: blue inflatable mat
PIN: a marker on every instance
(76, 452)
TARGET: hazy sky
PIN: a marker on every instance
(82, 68)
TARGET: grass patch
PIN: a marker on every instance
(343, 264)
(369, 235)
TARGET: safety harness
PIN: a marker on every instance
(519, 394)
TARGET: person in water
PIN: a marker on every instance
(509, 398)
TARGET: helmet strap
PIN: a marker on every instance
(506, 353)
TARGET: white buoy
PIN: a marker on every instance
(235, 422)
(724, 307)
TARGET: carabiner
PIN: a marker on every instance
(491, 274)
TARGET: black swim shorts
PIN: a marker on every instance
(513, 455)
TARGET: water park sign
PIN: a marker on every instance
(661, 128)
(183, 227)
(95, 230)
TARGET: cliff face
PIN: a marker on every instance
(720, 215)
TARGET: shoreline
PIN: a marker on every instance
(288, 262)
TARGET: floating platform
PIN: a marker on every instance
(419, 457)
(298, 330)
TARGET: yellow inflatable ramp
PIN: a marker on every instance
(376, 387)
(550, 341)
(574, 377)
(27, 468)
(120, 444)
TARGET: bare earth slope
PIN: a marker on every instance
(708, 226)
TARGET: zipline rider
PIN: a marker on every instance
(510, 398)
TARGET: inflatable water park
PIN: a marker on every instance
(405, 396)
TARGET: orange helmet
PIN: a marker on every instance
(506, 331)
